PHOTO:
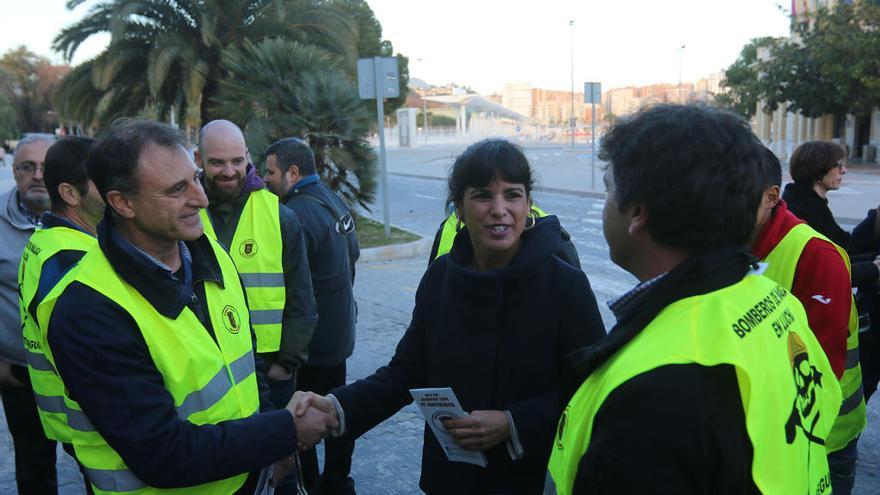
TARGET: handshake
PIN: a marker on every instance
(314, 416)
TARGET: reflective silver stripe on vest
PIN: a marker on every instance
(38, 361)
(209, 395)
(242, 367)
(549, 485)
(112, 480)
(266, 316)
(217, 387)
(79, 421)
(50, 403)
(262, 279)
(55, 404)
(852, 402)
(852, 358)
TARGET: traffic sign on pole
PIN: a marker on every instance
(378, 78)
(593, 95)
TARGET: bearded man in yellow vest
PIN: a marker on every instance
(817, 272)
(151, 337)
(711, 381)
(265, 240)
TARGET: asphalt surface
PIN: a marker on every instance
(387, 459)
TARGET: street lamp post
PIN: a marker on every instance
(572, 121)
(680, 52)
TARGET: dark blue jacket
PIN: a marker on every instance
(106, 366)
(499, 339)
(332, 256)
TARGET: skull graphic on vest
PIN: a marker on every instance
(805, 411)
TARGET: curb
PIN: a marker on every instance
(412, 249)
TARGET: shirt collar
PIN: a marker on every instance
(305, 181)
(624, 304)
(50, 220)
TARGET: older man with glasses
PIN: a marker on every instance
(20, 208)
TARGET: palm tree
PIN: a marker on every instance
(280, 88)
(166, 54)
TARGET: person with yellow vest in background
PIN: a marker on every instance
(711, 381)
(817, 272)
(265, 240)
(63, 236)
(150, 334)
(447, 230)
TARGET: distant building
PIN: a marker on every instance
(783, 130)
(517, 96)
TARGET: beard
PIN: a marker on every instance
(224, 190)
(37, 200)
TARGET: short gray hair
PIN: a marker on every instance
(33, 138)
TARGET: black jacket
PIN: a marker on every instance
(332, 255)
(300, 312)
(497, 338)
(678, 428)
(813, 209)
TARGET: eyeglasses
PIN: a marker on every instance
(29, 167)
(841, 165)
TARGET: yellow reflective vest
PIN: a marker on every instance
(210, 382)
(781, 266)
(48, 389)
(786, 384)
(256, 250)
(451, 227)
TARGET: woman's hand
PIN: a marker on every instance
(479, 430)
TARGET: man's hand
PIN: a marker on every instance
(278, 373)
(314, 415)
(479, 430)
(7, 379)
(301, 401)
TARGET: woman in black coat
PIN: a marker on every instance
(493, 320)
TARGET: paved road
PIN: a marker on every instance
(560, 168)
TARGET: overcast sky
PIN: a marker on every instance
(484, 43)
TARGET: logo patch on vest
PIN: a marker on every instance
(231, 320)
(805, 411)
(247, 248)
(560, 430)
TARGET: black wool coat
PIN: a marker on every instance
(499, 339)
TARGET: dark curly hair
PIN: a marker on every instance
(698, 170)
(484, 160)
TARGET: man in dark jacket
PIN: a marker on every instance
(232, 187)
(333, 251)
(711, 381)
(151, 336)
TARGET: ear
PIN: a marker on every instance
(197, 157)
(120, 204)
(771, 197)
(292, 174)
(638, 219)
(69, 194)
